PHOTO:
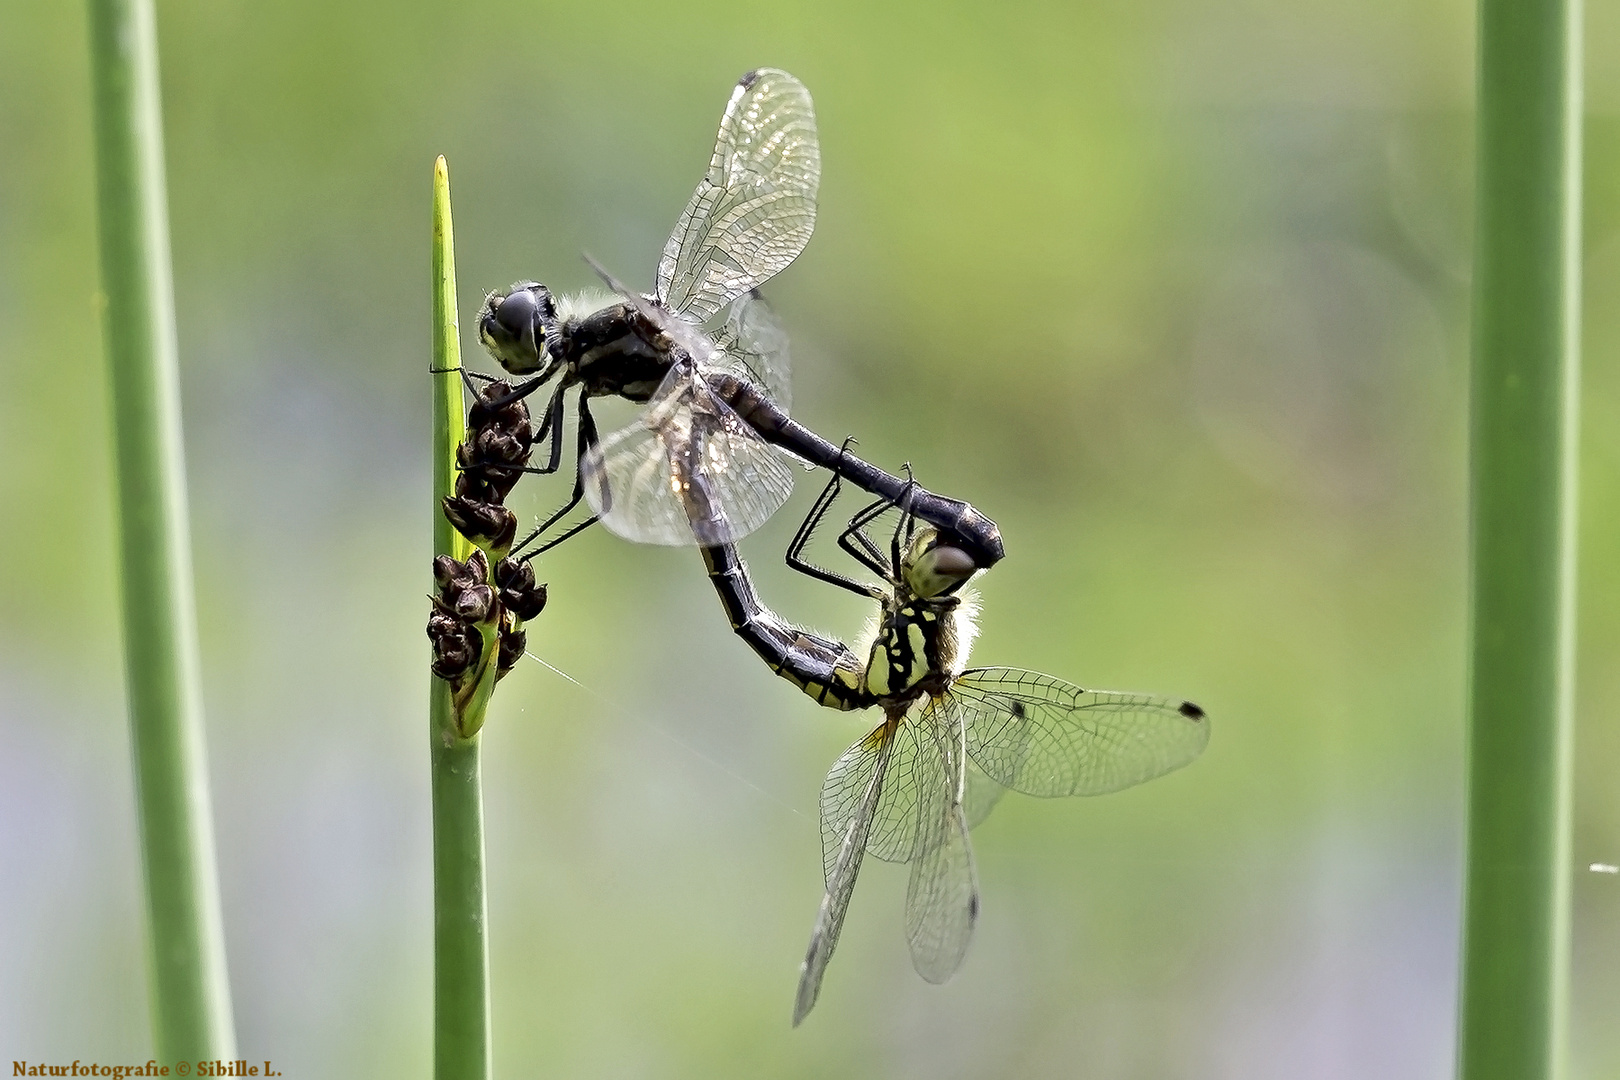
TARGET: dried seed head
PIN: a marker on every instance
(513, 643)
(474, 486)
(441, 623)
(445, 571)
(496, 447)
(487, 525)
(519, 592)
(492, 409)
(475, 604)
(456, 646)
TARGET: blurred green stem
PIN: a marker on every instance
(1525, 396)
(191, 1006)
(461, 1028)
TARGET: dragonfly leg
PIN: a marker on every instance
(521, 390)
(553, 425)
(906, 523)
(812, 521)
(587, 439)
(467, 376)
(905, 504)
(554, 541)
(860, 547)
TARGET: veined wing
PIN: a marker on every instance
(942, 898)
(687, 471)
(755, 208)
(858, 779)
(980, 796)
(752, 345)
(1043, 736)
(916, 775)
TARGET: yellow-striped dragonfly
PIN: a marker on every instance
(952, 739)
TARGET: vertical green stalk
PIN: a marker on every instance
(1525, 396)
(461, 1028)
(191, 1007)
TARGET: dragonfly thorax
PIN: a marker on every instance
(919, 647)
(591, 339)
(615, 352)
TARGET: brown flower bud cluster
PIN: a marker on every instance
(462, 604)
(520, 599)
(475, 609)
(490, 459)
(468, 610)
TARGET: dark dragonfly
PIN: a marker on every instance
(700, 464)
(952, 739)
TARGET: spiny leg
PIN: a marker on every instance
(587, 439)
(467, 376)
(869, 554)
(552, 422)
(812, 521)
(905, 504)
(522, 390)
(554, 541)
(905, 522)
(553, 425)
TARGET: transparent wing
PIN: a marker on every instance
(755, 208)
(1043, 736)
(752, 345)
(914, 776)
(942, 899)
(687, 471)
(981, 795)
(856, 785)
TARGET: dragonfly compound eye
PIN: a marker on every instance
(940, 569)
(512, 327)
(517, 313)
(952, 562)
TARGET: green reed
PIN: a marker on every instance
(1525, 396)
(461, 1027)
(190, 993)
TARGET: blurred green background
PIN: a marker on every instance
(1175, 292)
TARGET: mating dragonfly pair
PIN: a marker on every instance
(707, 462)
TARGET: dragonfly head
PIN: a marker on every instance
(932, 568)
(512, 325)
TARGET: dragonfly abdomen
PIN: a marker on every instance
(824, 669)
(969, 528)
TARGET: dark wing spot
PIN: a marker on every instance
(1191, 711)
(1017, 709)
(749, 79)
(973, 907)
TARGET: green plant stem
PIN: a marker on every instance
(461, 1027)
(1525, 397)
(191, 1007)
